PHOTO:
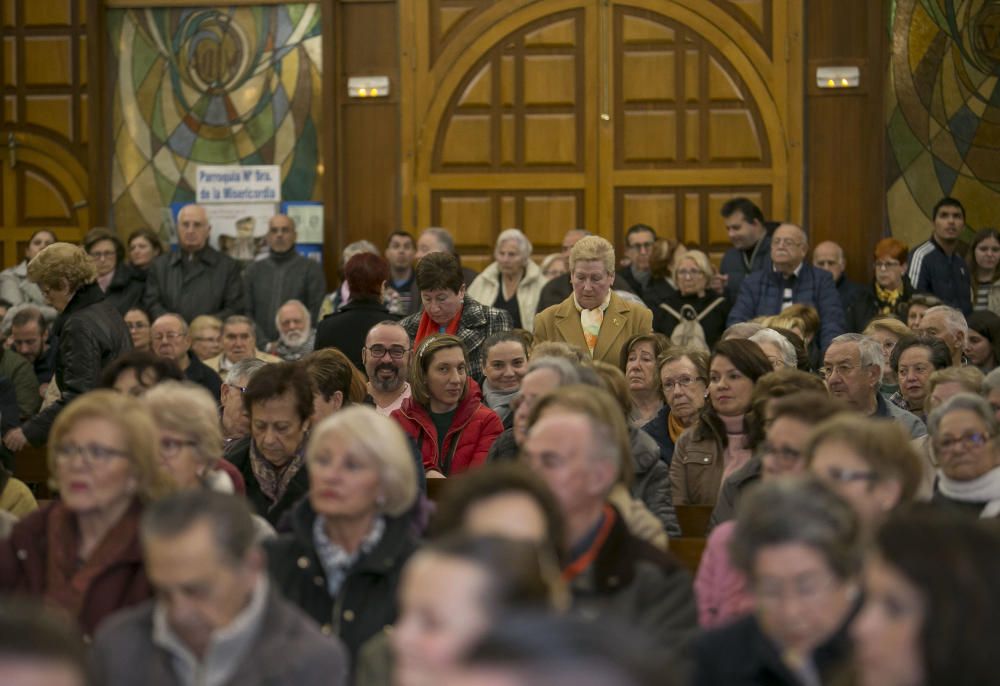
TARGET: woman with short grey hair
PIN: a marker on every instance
(800, 546)
(513, 282)
(780, 353)
(963, 432)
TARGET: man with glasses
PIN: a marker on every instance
(639, 240)
(386, 358)
(171, 341)
(790, 280)
(853, 367)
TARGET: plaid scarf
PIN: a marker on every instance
(273, 480)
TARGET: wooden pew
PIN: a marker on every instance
(694, 526)
(31, 466)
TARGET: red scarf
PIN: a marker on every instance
(428, 327)
(67, 579)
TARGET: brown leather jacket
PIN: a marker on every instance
(696, 468)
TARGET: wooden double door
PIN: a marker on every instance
(553, 114)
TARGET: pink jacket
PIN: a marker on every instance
(721, 589)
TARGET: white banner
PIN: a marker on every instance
(239, 230)
(238, 184)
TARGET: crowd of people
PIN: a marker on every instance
(429, 476)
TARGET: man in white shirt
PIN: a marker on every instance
(387, 357)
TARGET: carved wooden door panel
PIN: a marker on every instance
(554, 114)
(43, 140)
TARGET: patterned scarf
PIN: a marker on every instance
(67, 578)
(428, 327)
(335, 560)
(591, 320)
(887, 299)
(273, 480)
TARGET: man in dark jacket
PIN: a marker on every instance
(639, 241)
(234, 626)
(197, 279)
(751, 251)
(576, 447)
(936, 267)
(830, 256)
(790, 280)
(284, 275)
(171, 340)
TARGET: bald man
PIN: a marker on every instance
(196, 279)
(790, 280)
(830, 256)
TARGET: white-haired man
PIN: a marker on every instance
(296, 334)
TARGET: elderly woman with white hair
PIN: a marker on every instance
(351, 536)
(778, 350)
(513, 281)
(964, 432)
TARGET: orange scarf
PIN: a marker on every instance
(428, 327)
(581, 563)
(674, 427)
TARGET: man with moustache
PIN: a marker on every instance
(386, 357)
(296, 334)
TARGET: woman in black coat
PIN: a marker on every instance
(800, 546)
(90, 331)
(123, 286)
(352, 535)
(347, 328)
(692, 306)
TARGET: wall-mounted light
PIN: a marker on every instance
(838, 77)
(367, 86)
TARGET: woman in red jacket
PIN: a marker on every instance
(444, 415)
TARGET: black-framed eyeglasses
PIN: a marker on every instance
(378, 351)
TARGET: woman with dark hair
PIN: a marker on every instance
(122, 287)
(144, 246)
(982, 345)
(444, 414)
(336, 382)
(136, 372)
(505, 362)
(931, 597)
(139, 328)
(638, 364)
(346, 329)
(454, 590)
(717, 446)
(983, 259)
(271, 460)
(800, 546)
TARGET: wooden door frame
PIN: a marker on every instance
(782, 114)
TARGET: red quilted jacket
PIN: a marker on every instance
(474, 427)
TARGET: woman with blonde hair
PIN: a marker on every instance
(82, 552)
(91, 333)
(694, 315)
(352, 534)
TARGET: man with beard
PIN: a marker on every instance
(386, 356)
(296, 337)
